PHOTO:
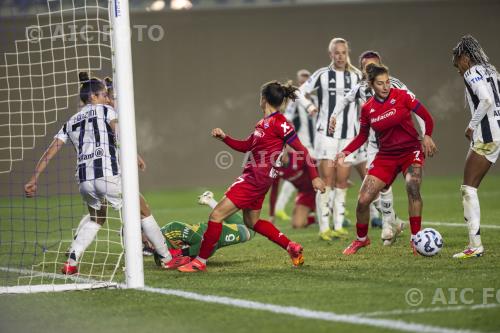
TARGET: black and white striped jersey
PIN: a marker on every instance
(305, 125)
(331, 86)
(482, 93)
(90, 132)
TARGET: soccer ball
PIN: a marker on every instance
(428, 242)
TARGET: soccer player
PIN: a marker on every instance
(331, 84)
(482, 83)
(92, 131)
(391, 226)
(184, 240)
(247, 193)
(388, 113)
(295, 171)
(305, 127)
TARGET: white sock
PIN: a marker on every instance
(212, 203)
(331, 202)
(387, 207)
(84, 220)
(155, 236)
(83, 239)
(286, 192)
(472, 214)
(339, 208)
(322, 210)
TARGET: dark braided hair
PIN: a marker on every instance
(275, 92)
(469, 46)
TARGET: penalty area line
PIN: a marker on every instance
(398, 325)
(431, 309)
(459, 225)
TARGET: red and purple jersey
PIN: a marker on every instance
(265, 145)
(392, 122)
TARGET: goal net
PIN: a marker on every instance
(39, 92)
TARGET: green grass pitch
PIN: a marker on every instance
(376, 279)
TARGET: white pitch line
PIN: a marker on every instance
(460, 225)
(427, 310)
(287, 310)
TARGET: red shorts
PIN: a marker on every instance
(307, 199)
(246, 195)
(387, 167)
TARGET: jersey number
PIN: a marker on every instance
(495, 91)
(81, 125)
(417, 155)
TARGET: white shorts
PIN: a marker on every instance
(102, 191)
(371, 151)
(360, 156)
(310, 150)
(489, 150)
(326, 148)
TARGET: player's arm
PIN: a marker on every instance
(56, 145)
(480, 88)
(307, 88)
(341, 105)
(428, 144)
(290, 110)
(239, 145)
(359, 140)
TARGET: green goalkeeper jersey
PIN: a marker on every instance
(179, 234)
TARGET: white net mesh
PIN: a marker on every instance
(39, 90)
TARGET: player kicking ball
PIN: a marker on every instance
(388, 113)
(184, 240)
(247, 193)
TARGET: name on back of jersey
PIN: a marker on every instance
(87, 114)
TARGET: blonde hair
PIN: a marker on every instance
(349, 66)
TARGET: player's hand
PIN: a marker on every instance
(331, 125)
(218, 134)
(469, 132)
(429, 146)
(339, 159)
(30, 188)
(318, 184)
(312, 110)
(140, 163)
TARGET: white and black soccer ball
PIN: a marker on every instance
(428, 242)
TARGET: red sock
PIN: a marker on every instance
(361, 230)
(310, 220)
(415, 224)
(210, 239)
(266, 228)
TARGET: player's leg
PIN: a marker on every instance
(342, 173)
(369, 191)
(476, 167)
(300, 216)
(211, 236)
(326, 172)
(269, 230)
(152, 231)
(413, 180)
(207, 198)
(360, 164)
(286, 191)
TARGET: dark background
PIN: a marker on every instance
(207, 70)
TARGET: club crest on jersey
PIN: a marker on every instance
(372, 110)
(266, 124)
(393, 101)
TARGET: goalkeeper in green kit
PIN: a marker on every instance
(184, 240)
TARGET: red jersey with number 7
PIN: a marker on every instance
(392, 122)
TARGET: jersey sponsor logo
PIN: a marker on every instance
(385, 115)
(99, 152)
(496, 113)
(259, 133)
(476, 79)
